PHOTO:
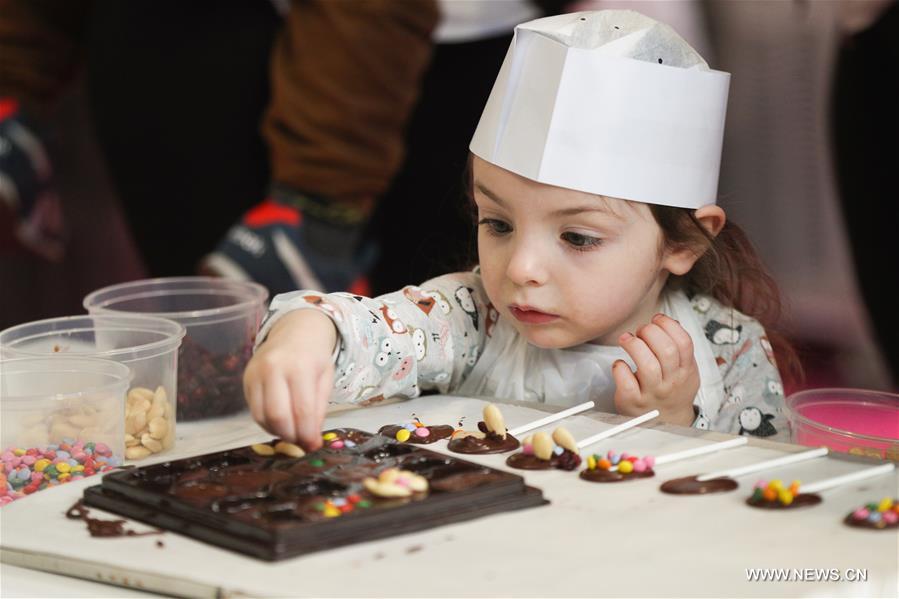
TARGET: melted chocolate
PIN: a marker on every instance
(491, 443)
(801, 500)
(437, 432)
(607, 476)
(850, 520)
(688, 485)
(567, 460)
(279, 506)
(104, 528)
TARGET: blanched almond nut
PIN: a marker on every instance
(385, 489)
(131, 440)
(493, 418)
(460, 434)
(565, 439)
(169, 439)
(288, 449)
(137, 393)
(81, 420)
(543, 446)
(138, 452)
(150, 443)
(263, 449)
(158, 427)
(134, 425)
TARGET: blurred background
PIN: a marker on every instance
(152, 117)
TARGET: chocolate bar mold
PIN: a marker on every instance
(271, 506)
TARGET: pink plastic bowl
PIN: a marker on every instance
(854, 421)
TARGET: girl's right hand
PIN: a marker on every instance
(288, 381)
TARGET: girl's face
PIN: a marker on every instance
(566, 267)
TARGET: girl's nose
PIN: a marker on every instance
(527, 265)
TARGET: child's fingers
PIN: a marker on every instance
(306, 416)
(277, 413)
(663, 346)
(681, 337)
(627, 389)
(649, 371)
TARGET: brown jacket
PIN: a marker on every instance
(345, 76)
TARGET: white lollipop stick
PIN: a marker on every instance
(829, 483)
(551, 418)
(620, 428)
(767, 464)
(696, 451)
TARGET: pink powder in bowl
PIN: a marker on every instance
(852, 420)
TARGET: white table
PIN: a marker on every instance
(620, 539)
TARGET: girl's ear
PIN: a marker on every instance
(679, 261)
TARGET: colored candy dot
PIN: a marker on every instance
(785, 496)
(861, 513)
(591, 462)
(331, 512)
(603, 464)
(419, 424)
(364, 503)
(340, 501)
(885, 504)
(527, 449)
(422, 431)
(616, 459)
(410, 426)
(794, 488)
(19, 452)
(639, 466)
(403, 435)
(776, 484)
(349, 443)
(890, 517)
(761, 483)
(874, 517)
(63, 467)
(354, 498)
(329, 436)
(346, 508)
(769, 494)
(625, 467)
(317, 463)
(337, 445)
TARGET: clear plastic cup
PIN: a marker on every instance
(56, 404)
(147, 345)
(221, 318)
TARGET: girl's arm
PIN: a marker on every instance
(399, 344)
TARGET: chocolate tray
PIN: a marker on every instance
(272, 507)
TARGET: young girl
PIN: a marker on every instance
(606, 270)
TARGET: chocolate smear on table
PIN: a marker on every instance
(105, 528)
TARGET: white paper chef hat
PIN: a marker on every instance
(608, 102)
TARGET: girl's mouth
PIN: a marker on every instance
(530, 315)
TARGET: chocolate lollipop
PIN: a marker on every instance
(774, 496)
(541, 453)
(723, 480)
(614, 468)
(491, 436)
(875, 516)
(417, 432)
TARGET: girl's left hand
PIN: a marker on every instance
(667, 376)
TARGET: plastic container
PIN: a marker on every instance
(853, 421)
(147, 345)
(55, 405)
(221, 317)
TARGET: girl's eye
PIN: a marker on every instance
(581, 242)
(496, 227)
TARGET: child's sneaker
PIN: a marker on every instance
(285, 244)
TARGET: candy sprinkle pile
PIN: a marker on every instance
(882, 514)
(339, 506)
(334, 442)
(626, 463)
(416, 428)
(28, 470)
(775, 491)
